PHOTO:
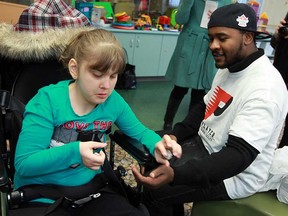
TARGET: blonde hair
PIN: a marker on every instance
(99, 43)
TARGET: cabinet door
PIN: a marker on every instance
(168, 45)
(127, 40)
(147, 54)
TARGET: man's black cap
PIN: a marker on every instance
(237, 16)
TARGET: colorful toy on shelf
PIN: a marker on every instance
(159, 27)
(98, 16)
(122, 17)
(143, 22)
(255, 5)
(164, 21)
(122, 21)
(263, 22)
(172, 19)
(108, 8)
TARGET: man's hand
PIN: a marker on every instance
(160, 176)
(165, 147)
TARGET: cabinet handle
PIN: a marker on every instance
(138, 43)
(131, 43)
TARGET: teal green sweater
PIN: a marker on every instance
(37, 163)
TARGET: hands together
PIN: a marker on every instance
(165, 147)
(163, 174)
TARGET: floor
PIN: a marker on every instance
(149, 101)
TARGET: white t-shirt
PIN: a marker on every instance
(251, 104)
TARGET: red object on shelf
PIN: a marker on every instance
(164, 20)
(122, 17)
(124, 27)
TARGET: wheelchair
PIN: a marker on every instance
(28, 61)
(19, 83)
(28, 79)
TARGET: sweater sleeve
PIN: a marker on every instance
(131, 126)
(33, 156)
(274, 41)
(214, 168)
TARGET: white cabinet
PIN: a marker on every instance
(149, 51)
(143, 51)
(168, 45)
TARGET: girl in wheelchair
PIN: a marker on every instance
(50, 150)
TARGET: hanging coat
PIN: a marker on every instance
(192, 64)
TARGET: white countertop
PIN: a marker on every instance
(143, 31)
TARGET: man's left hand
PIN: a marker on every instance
(160, 176)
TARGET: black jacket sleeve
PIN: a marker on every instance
(191, 124)
(231, 160)
(274, 42)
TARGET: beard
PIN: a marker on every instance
(232, 58)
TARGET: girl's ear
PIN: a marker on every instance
(73, 68)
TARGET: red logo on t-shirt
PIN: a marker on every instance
(218, 103)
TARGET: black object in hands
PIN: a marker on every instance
(283, 31)
(89, 135)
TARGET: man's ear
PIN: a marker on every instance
(73, 68)
(249, 38)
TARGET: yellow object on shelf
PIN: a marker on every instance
(264, 16)
(255, 5)
(120, 14)
(263, 22)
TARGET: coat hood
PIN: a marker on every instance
(35, 46)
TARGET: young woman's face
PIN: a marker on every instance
(226, 45)
(93, 85)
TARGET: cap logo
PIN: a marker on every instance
(242, 20)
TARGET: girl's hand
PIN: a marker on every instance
(90, 157)
(165, 149)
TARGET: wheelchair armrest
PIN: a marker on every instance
(4, 179)
(133, 147)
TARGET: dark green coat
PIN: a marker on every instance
(192, 64)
